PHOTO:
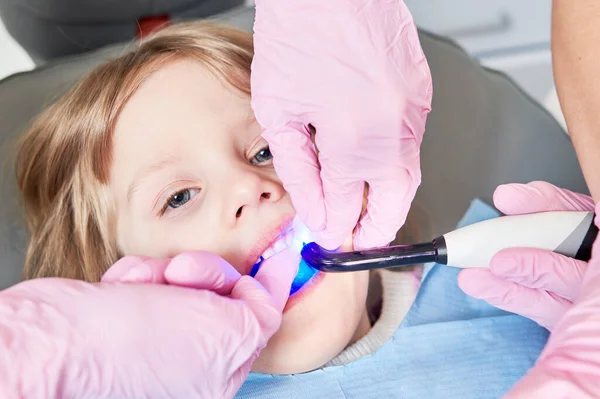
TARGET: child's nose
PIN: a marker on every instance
(249, 191)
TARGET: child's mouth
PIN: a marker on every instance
(282, 242)
(305, 271)
(291, 237)
(304, 275)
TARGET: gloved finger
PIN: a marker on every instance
(545, 270)
(539, 305)
(261, 303)
(386, 211)
(137, 269)
(558, 380)
(343, 202)
(202, 270)
(296, 164)
(277, 273)
(539, 196)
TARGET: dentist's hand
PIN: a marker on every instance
(540, 285)
(355, 71)
(64, 338)
(569, 366)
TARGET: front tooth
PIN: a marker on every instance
(268, 253)
(279, 245)
(289, 238)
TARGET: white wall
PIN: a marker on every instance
(12, 57)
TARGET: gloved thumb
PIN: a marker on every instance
(538, 196)
(137, 269)
(267, 293)
(202, 270)
(277, 273)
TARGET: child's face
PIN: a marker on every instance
(190, 171)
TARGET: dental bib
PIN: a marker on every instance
(448, 346)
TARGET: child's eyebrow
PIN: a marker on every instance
(144, 172)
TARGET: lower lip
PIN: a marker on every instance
(303, 286)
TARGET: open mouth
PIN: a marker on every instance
(304, 275)
(285, 240)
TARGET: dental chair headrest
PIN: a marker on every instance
(51, 29)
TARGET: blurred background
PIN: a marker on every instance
(512, 36)
(12, 56)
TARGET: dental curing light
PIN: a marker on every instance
(568, 233)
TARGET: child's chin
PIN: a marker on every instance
(298, 365)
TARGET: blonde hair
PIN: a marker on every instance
(63, 160)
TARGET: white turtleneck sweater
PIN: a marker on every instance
(398, 293)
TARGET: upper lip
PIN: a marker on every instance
(265, 239)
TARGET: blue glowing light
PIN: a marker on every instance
(305, 274)
(305, 271)
(256, 267)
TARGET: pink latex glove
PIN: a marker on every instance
(540, 285)
(64, 338)
(569, 366)
(355, 70)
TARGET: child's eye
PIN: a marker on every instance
(180, 198)
(263, 155)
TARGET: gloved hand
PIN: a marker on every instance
(355, 71)
(569, 366)
(540, 285)
(64, 338)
